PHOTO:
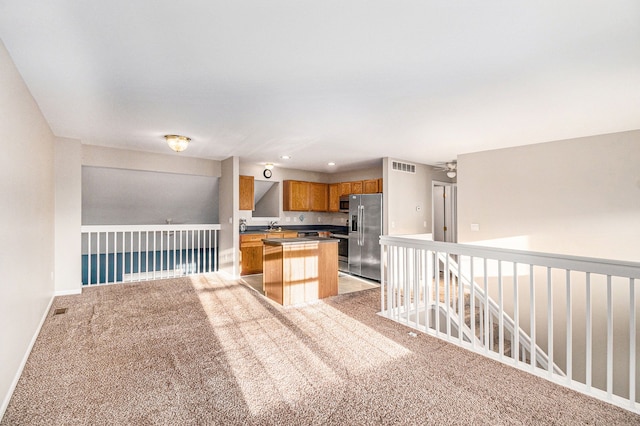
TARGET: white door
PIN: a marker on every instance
(445, 212)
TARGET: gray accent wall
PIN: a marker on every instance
(139, 197)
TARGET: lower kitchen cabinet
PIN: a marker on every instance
(298, 271)
(252, 249)
(251, 253)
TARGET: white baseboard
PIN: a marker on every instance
(68, 292)
(14, 383)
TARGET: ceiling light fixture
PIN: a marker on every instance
(177, 143)
(451, 174)
(331, 163)
(285, 157)
(267, 170)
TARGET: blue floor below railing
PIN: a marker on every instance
(112, 270)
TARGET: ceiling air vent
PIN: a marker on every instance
(403, 167)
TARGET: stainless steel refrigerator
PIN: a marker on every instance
(365, 228)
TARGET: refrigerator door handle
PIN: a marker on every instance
(361, 242)
(358, 228)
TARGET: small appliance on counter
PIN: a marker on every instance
(243, 225)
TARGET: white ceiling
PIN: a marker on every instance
(348, 81)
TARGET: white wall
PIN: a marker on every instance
(68, 179)
(578, 196)
(27, 218)
(229, 242)
(359, 174)
(99, 156)
(407, 199)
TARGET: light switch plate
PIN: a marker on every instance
(475, 226)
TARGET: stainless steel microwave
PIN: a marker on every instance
(344, 203)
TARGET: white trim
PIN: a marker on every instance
(143, 228)
(435, 183)
(14, 383)
(552, 260)
(68, 292)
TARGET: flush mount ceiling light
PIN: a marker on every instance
(177, 143)
(331, 163)
(285, 157)
(268, 166)
(451, 174)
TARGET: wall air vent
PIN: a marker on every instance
(403, 167)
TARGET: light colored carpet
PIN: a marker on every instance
(211, 351)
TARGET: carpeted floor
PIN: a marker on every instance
(210, 351)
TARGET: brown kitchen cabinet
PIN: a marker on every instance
(251, 253)
(380, 185)
(246, 193)
(356, 187)
(296, 195)
(370, 186)
(334, 197)
(252, 249)
(344, 189)
(319, 200)
(300, 271)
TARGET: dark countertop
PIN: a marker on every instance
(310, 240)
(297, 228)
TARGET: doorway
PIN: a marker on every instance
(445, 212)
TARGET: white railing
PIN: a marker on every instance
(125, 253)
(491, 316)
(578, 316)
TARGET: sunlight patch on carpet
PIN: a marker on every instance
(282, 354)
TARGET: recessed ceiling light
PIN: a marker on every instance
(285, 157)
(331, 163)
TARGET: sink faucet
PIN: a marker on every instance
(272, 225)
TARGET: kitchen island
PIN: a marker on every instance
(298, 270)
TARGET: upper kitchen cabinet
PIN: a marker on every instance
(344, 188)
(296, 195)
(246, 193)
(319, 200)
(356, 187)
(334, 197)
(370, 186)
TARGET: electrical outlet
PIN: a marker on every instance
(287, 219)
(475, 226)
